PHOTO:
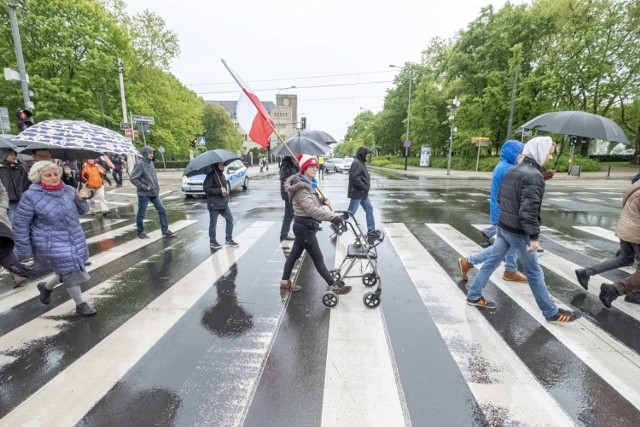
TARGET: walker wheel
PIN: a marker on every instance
(371, 300)
(335, 274)
(330, 299)
(369, 279)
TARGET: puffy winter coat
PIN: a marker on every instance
(144, 175)
(628, 228)
(508, 156)
(520, 199)
(213, 184)
(359, 180)
(47, 227)
(93, 175)
(306, 202)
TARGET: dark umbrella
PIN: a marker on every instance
(301, 144)
(70, 153)
(318, 136)
(578, 123)
(7, 144)
(203, 164)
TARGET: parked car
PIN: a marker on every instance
(235, 172)
(333, 164)
(345, 165)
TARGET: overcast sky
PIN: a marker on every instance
(275, 44)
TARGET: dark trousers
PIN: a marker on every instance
(628, 252)
(288, 217)
(143, 201)
(306, 240)
(117, 176)
(213, 222)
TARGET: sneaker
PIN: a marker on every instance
(464, 267)
(564, 316)
(288, 286)
(481, 302)
(84, 309)
(215, 245)
(633, 297)
(342, 290)
(540, 250)
(583, 277)
(231, 243)
(608, 294)
(486, 238)
(142, 235)
(168, 234)
(45, 294)
(18, 280)
(514, 276)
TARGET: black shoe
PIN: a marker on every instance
(89, 262)
(486, 238)
(231, 243)
(45, 294)
(342, 290)
(564, 316)
(84, 309)
(142, 235)
(215, 245)
(608, 294)
(583, 277)
(481, 302)
(540, 250)
(168, 234)
(633, 297)
(287, 238)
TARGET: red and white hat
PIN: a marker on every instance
(305, 160)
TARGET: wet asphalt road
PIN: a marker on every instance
(243, 353)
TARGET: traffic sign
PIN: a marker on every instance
(407, 144)
(202, 140)
(143, 119)
(4, 119)
(124, 125)
(161, 149)
(130, 133)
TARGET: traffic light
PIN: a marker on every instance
(303, 123)
(25, 118)
(192, 143)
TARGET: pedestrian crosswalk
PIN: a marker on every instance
(187, 336)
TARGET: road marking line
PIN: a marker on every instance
(611, 360)
(357, 348)
(71, 394)
(25, 293)
(599, 231)
(503, 386)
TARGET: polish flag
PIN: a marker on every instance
(251, 114)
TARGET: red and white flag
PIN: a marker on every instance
(251, 114)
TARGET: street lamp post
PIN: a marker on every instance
(17, 44)
(407, 141)
(453, 108)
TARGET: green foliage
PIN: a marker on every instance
(219, 129)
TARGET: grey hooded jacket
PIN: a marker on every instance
(144, 175)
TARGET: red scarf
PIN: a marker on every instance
(52, 187)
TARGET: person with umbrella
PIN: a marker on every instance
(145, 179)
(216, 189)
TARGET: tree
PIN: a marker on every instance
(219, 129)
(155, 45)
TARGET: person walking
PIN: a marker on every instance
(69, 176)
(145, 180)
(47, 231)
(321, 167)
(14, 178)
(358, 189)
(520, 198)
(309, 211)
(288, 168)
(216, 189)
(509, 157)
(93, 176)
(117, 169)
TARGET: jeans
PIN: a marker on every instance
(490, 231)
(11, 210)
(117, 176)
(288, 217)
(306, 239)
(368, 211)
(628, 253)
(143, 201)
(213, 222)
(504, 242)
(483, 255)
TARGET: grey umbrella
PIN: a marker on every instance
(203, 164)
(578, 123)
(301, 144)
(318, 136)
(5, 143)
(62, 153)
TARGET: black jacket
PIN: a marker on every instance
(359, 180)
(287, 168)
(520, 199)
(15, 179)
(212, 186)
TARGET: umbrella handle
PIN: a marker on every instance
(91, 192)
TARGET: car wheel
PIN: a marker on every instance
(335, 170)
(245, 184)
(188, 196)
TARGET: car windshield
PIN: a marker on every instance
(338, 160)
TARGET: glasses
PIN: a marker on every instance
(313, 166)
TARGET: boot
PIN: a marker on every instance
(608, 294)
(514, 276)
(288, 286)
(583, 277)
(45, 294)
(464, 266)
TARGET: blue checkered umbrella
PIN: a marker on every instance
(78, 135)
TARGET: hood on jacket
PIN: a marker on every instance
(4, 153)
(510, 151)
(145, 151)
(538, 149)
(362, 153)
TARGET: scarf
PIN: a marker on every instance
(52, 187)
(312, 182)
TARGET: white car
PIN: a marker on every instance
(345, 165)
(235, 172)
(333, 165)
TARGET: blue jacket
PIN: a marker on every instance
(47, 227)
(508, 155)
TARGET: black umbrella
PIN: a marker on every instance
(318, 136)
(203, 164)
(301, 144)
(578, 123)
(57, 152)
(6, 144)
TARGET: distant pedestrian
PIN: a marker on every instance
(145, 179)
(47, 231)
(93, 176)
(217, 191)
(358, 189)
(117, 169)
(321, 167)
(521, 196)
(288, 168)
(13, 175)
(69, 176)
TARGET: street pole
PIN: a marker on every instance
(406, 150)
(454, 108)
(17, 44)
(512, 103)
